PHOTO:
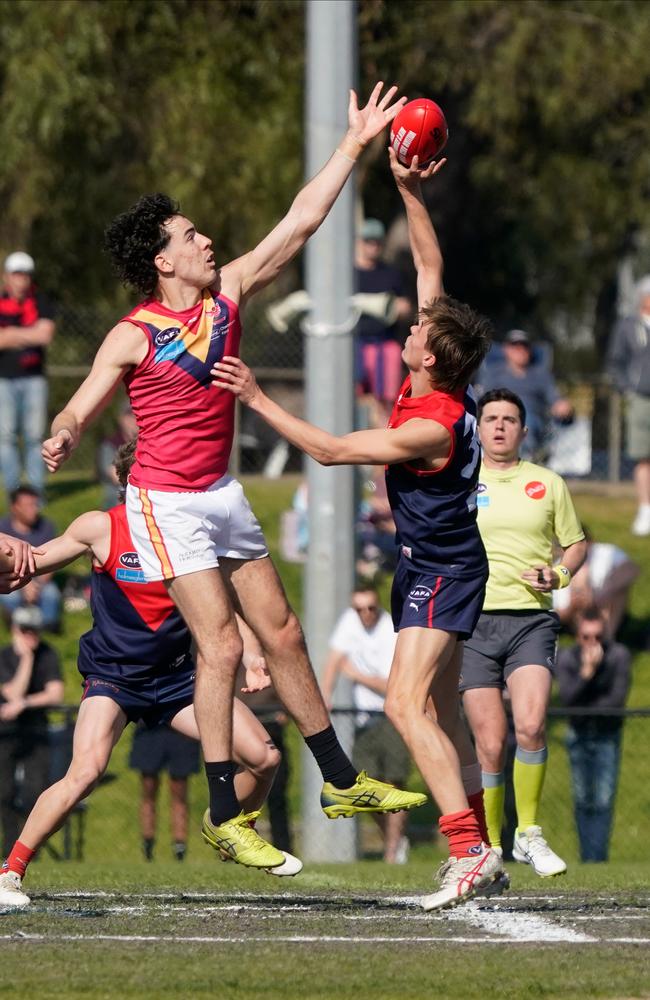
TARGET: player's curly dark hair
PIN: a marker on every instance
(133, 239)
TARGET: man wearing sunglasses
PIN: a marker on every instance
(594, 673)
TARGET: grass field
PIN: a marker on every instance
(114, 926)
(206, 929)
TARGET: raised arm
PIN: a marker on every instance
(416, 439)
(123, 347)
(254, 270)
(427, 256)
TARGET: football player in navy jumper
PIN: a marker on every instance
(431, 452)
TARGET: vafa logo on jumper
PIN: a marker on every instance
(130, 560)
(535, 490)
(164, 337)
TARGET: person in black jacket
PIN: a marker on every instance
(30, 681)
(629, 367)
(594, 673)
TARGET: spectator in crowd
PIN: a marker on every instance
(26, 328)
(629, 367)
(153, 751)
(382, 302)
(535, 386)
(376, 533)
(361, 648)
(604, 580)
(26, 523)
(30, 681)
(594, 673)
(126, 430)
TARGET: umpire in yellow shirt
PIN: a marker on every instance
(522, 510)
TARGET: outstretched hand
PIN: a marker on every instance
(410, 177)
(232, 374)
(365, 123)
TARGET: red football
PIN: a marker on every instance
(420, 128)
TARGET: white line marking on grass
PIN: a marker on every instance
(296, 901)
(517, 926)
(304, 939)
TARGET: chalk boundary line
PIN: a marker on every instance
(19, 936)
(497, 918)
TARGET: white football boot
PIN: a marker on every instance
(291, 866)
(530, 848)
(461, 878)
(11, 890)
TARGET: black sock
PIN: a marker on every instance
(328, 753)
(179, 848)
(223, 801)
(147, 847)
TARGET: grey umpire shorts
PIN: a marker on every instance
(505, 640)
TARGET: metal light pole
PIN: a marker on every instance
(331, 60)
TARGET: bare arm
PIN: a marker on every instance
(17, 338)
(254, 270)
(52, 694)
(331, 670)
(425, 248)
(417, 438)
(547, 578)
(123, 347)
(88, 535)
(371, 681)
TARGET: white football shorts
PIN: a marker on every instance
(180, 533)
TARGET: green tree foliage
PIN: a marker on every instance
(549, 156)
(547, 101)
(101, 101)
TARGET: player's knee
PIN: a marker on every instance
(223, 657)
(491, 751)
(286, 637)
(396, 710)
(268, 762)
(83, 777)
(530, 734)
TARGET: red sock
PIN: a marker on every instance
(18, 859)
(478, 808)
(462, 831)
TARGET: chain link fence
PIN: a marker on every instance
(591, 447)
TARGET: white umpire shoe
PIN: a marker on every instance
(530, 848)
(461, 879)
(290, 866)
(11, 890)
(641, 523)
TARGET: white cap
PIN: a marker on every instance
(19, 262)
(28, 616)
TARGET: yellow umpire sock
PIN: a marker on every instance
(528, 779)
(494, 793)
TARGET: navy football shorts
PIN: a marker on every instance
(424, 599)
(155, 700)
